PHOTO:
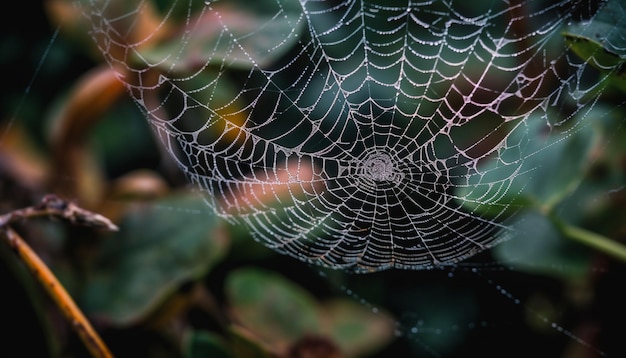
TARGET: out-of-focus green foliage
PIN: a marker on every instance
(601, 43)
(272, 307)
(600, 57)
(166, 284)
(168, 279)
(242, 18)
(557, 183)
(280, 313)
(205, 344)
(159, 247)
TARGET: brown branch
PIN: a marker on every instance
(54, 206)
(51, 205)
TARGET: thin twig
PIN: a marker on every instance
(52, 205)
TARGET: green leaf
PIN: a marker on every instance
(540, 248)
(201, 344)
(570, 191)
(603, 59)
(123, 138)
(602, 42)
(255, 36)
(546, 166)
(275, 309)
(280, 313)
(594, 53)
(561, 165)
(158, 248)
(607, 27)
(554, 163)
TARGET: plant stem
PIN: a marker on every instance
(64, 301)
(592, 239)
(52, 205)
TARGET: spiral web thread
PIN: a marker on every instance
(361, 145)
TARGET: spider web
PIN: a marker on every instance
(354, 134)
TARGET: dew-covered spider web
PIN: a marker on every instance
(363, 135)
(446, 139)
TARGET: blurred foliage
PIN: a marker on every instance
(567, 183)
(178, 282)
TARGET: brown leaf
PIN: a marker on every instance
(144, 27)
(314, 346)
(139, 185)
(19, 160)
(76, 173)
